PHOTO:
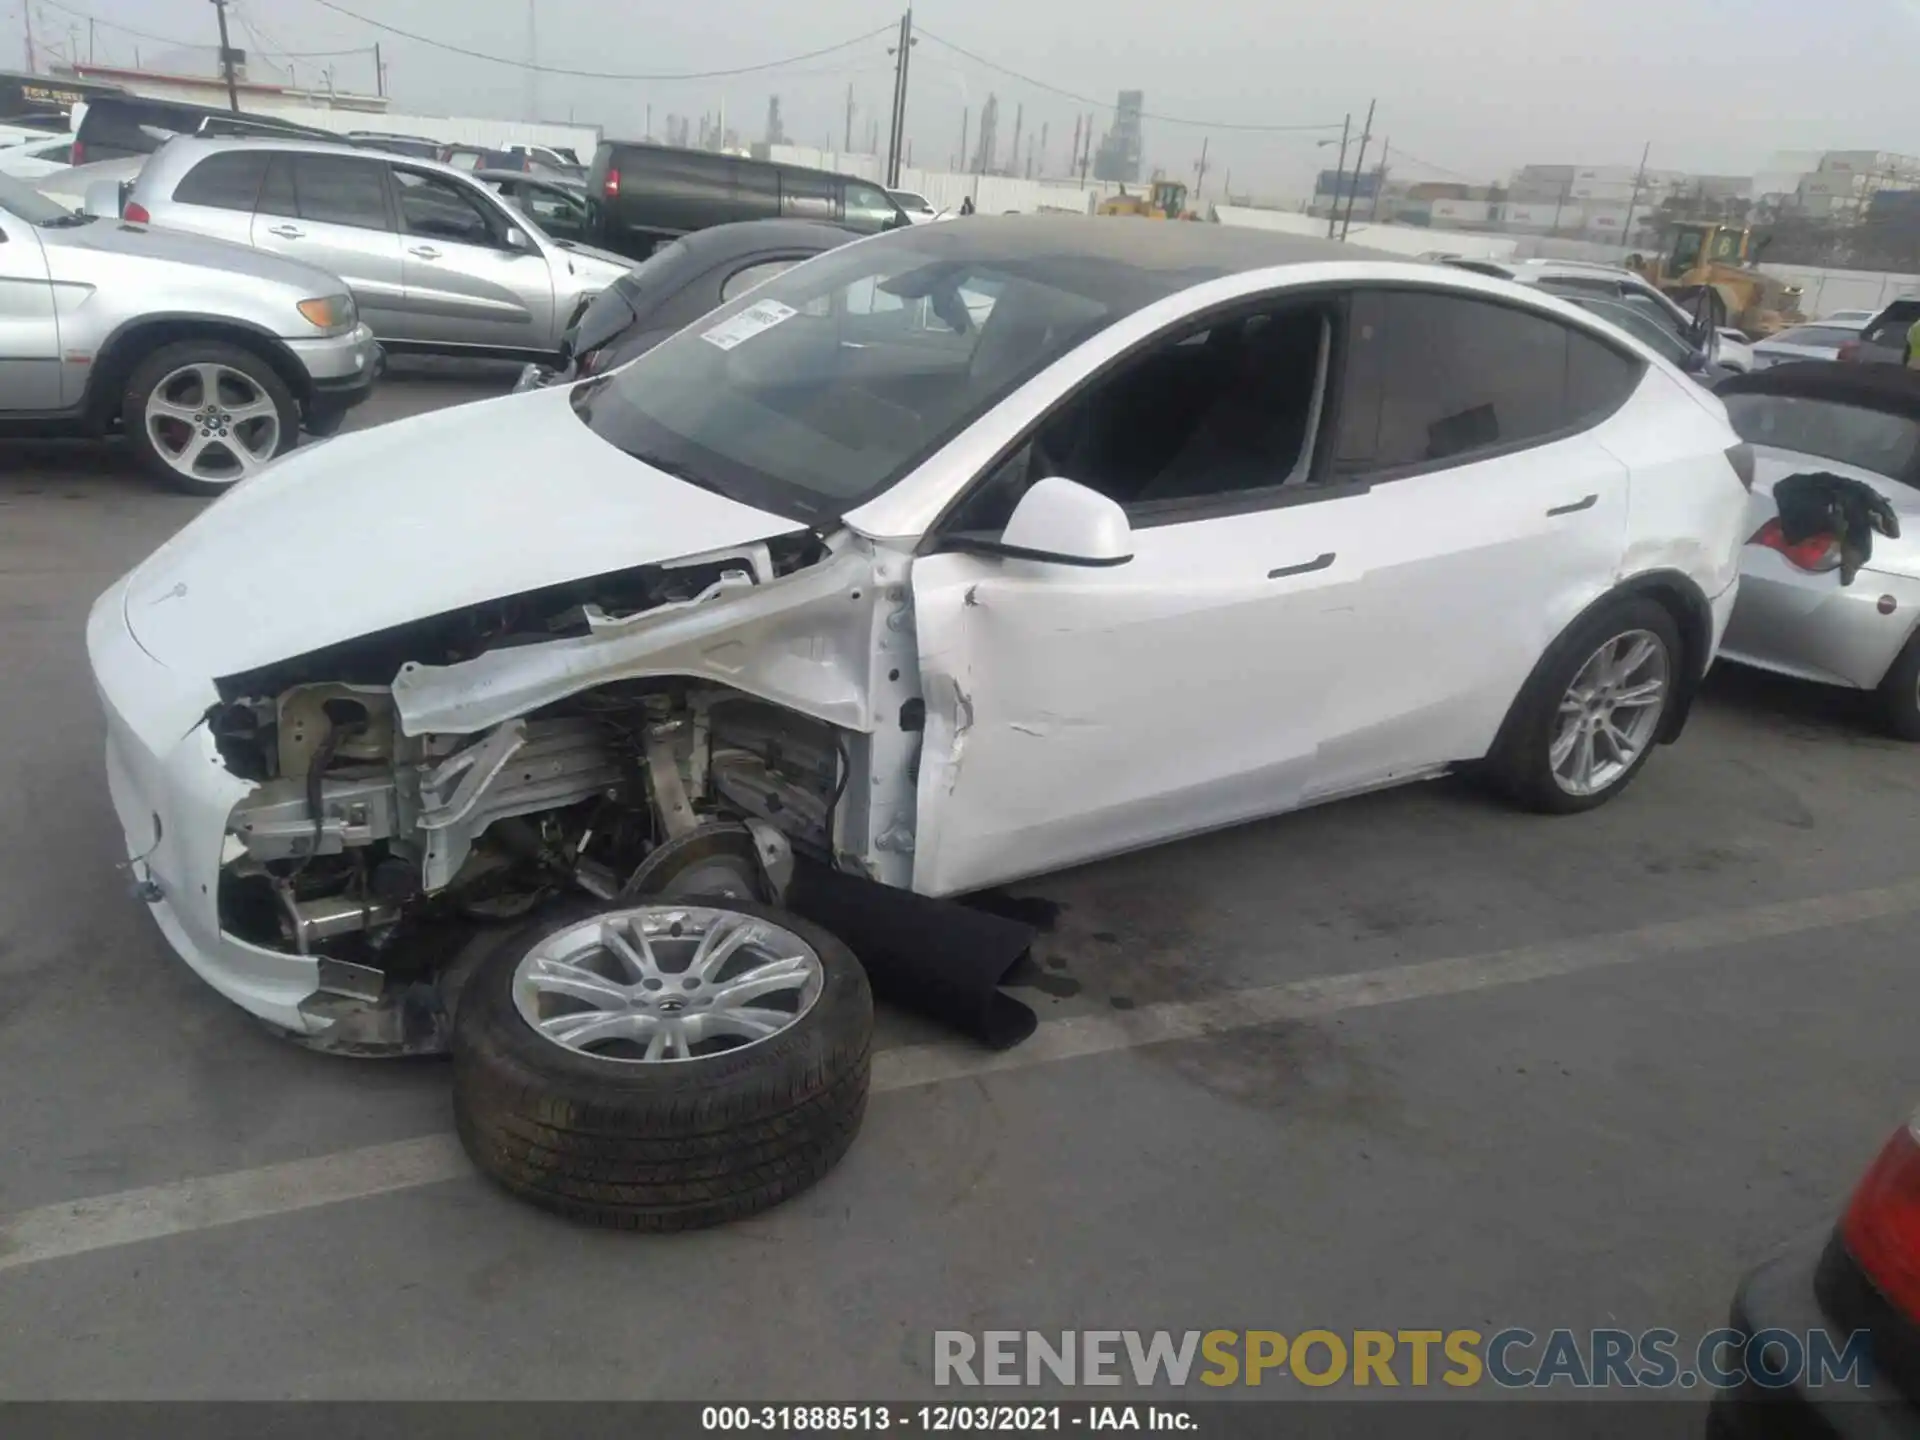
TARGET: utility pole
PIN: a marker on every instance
(1340, 175)
(379, 71)
(966, 124)
(1073, 155)
(1559, 205)
(1633, 201)
(849, 145)
(1013, 154)
(1044, 127)
(89, 42)
(896, 135)
(226, 56)
(1380, 179)
(533, 59)
(26, 18)
(1200, 171)
(1360, 160)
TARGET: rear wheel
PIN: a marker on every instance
(203, 414)
(1900, 693)
(1591, 714)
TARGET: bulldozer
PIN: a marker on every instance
(1164, 200)
(1712, 267)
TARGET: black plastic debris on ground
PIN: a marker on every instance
(937, 958)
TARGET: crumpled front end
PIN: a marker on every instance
(329, 839)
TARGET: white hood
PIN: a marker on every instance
(412, 519)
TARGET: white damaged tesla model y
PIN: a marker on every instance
(958, 555)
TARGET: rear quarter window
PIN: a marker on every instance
(1892, 326)
(225, 182)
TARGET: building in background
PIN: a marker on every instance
(255, 96)
(1121, 148)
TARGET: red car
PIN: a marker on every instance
(1862, 1281)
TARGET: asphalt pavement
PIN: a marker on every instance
(1409, 1060)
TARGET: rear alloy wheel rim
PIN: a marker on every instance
(212, 422)
(1610, 713)
(654, 984)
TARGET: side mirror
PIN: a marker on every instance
(518, 239)
(1696, 363)
(1061, 522)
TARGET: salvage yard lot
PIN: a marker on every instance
(1670, 1034)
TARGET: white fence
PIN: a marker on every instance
(1824, 291)
(453, 129)
(1395, 239)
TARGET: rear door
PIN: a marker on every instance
(333, 211)
(1496, 515)
(29, 328)
(465, 285)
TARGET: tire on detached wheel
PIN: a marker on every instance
(648, 1086)
(203, 414)
(1606, 683)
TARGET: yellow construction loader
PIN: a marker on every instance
(1163, 200)
(1702, 256)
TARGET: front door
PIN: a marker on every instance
(332, 211)
(1078, 712)
(29, 326)
(1074, 713)
(465, 285)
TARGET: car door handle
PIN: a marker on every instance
(1318, 563)
(1576, 507)
(286, 232)
(425, 252)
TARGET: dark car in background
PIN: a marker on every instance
(1884, 340)
(683, 281)
(116, 127)
(646, 195)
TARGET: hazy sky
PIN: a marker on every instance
(1472, 88)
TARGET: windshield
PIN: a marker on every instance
(1865, 439)
(820, 389)
(21, 199)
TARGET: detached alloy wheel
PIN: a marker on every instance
(1592, 711)
(204, 414)
(662, 1065)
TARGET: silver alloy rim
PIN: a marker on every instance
(1610, 713)
(664, 983)
(212, 422)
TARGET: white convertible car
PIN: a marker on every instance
(957, 555)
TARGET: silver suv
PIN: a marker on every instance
(211, 358)
(435, 259)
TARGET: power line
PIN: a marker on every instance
(600, 74)
(1405, 154)
(178, 44)
(1105, 104)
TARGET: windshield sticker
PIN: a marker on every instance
(761, 315)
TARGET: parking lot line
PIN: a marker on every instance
(75, 1227)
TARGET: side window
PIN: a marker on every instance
(1205, 416)
(868, 209)
(1431, 378)
(437, 208)
(226, 182)
(276, 195)
(742, 281)
(808, 197)
(341, 190)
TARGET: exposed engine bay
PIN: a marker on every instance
(381, 853)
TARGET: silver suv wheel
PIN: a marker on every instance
(212, 423)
